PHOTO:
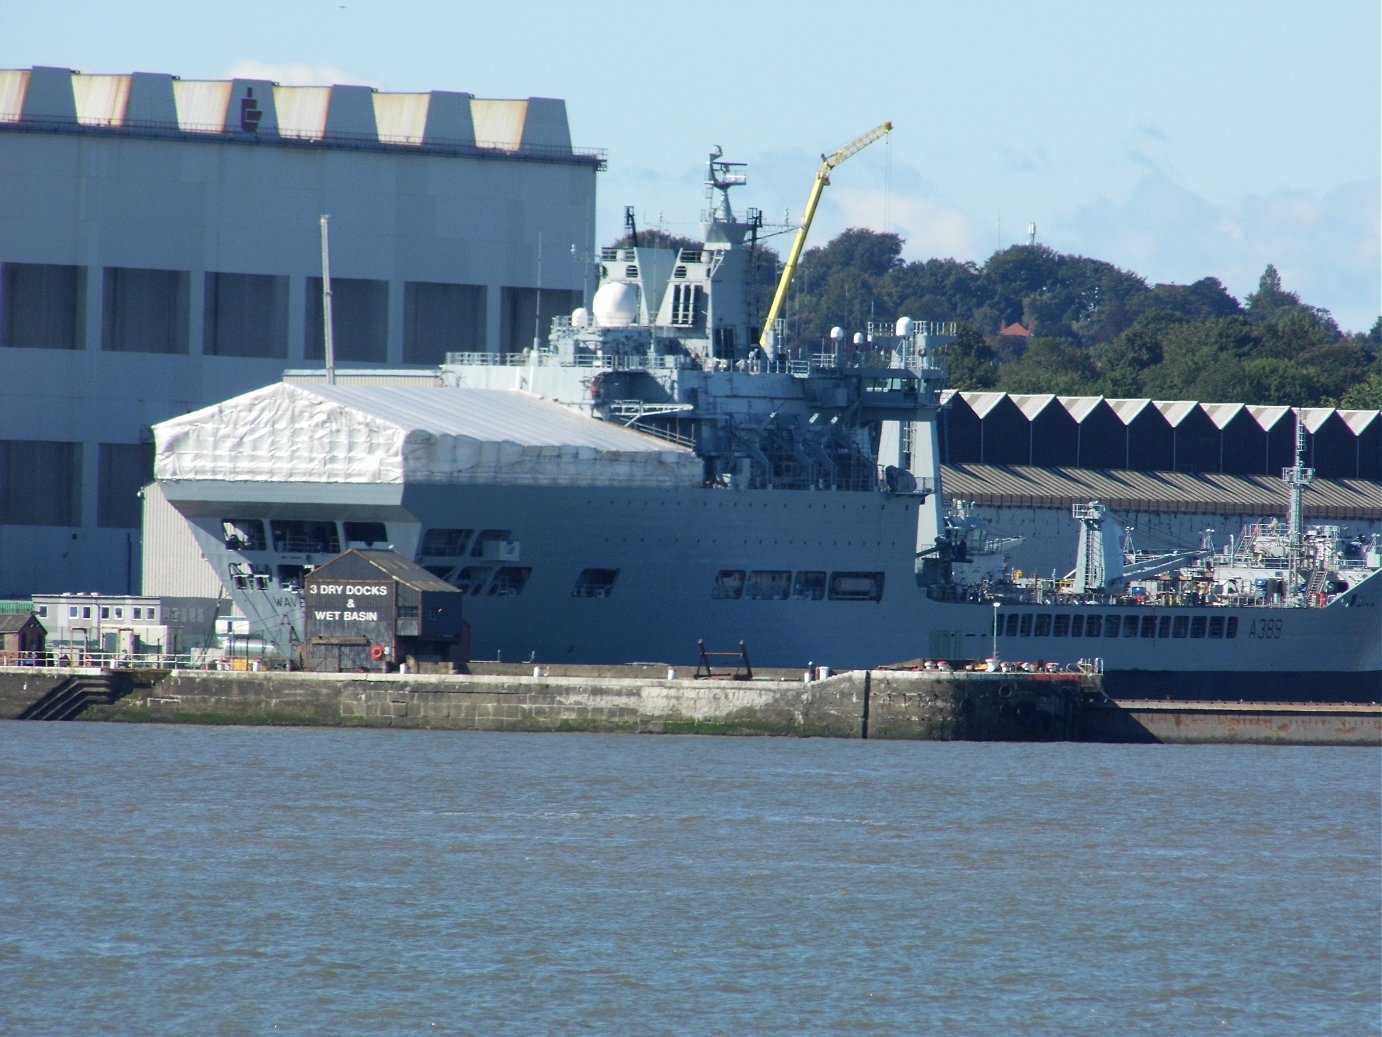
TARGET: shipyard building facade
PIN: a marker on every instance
(161, 250)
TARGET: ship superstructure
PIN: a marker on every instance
(653, 478)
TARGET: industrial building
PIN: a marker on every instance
(161, 249)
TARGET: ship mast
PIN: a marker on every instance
(1297, 477)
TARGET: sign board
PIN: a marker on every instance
(351, 608)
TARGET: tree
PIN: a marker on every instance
(970, 362)
(1050, 365)
(1270, 298)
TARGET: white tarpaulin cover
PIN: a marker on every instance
(394, 434)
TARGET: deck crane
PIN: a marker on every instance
(828, 163)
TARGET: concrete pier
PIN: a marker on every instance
(880, 704)
(890, 704)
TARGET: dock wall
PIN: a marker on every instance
(880, 704)
(856, 704)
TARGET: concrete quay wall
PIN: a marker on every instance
(856, 704)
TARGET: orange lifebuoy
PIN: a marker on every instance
(377, 653)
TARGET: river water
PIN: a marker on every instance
(187, 880)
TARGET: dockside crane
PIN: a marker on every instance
(828, 163)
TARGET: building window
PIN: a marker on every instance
(144, 311)
(42, 611)
(71, 611)
(442, 318)
(105, 611)
(42, 306)
(246, 315)
(136, 612)
(125, 469)
(40, 483)
(359, 320)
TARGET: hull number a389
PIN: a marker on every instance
(1266, 628)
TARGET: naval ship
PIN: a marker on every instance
(661, 475)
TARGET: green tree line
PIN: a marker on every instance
(1091, 328)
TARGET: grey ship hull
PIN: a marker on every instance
(668, 547)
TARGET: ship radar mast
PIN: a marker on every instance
(1297, 477)
(721, 176)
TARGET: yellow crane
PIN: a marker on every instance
(828, 163)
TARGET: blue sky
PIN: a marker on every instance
(1179, 139)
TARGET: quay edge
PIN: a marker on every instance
(879, 704)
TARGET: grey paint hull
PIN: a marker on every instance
(668, 546)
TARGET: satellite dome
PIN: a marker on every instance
(837, 333)
(616, 305)
(580, 317)
(904, 327)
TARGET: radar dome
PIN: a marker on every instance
(616, 305)
(904, 327)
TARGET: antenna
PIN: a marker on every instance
(1031, 234)
(326, 304)
(537, 310)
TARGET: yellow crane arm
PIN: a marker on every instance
(828, 163)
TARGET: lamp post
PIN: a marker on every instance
(995, 635)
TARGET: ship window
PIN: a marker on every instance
(243, 534)
(1148, 626)
(1129, 626)
(1062, 626)
(595, 583)
(367, 533)
(509, 581)
(856, 586)
(1010, 629)
(809, 585)
(1181, 627)
(290, 576)
(472, 579)
(1197, 625)
(1026, 630)
(1095, 626)
(685, 299)
(1110, 626)
(494, 544)
(1077, 625)
(1216, 626)
(1232, 626)
(294, 537)
(1163, 626)
(444, 543)
(729, 583)
(1043, 625)
(769, 585)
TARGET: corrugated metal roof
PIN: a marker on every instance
(1356, 499)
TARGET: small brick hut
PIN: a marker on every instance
(23, 638)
